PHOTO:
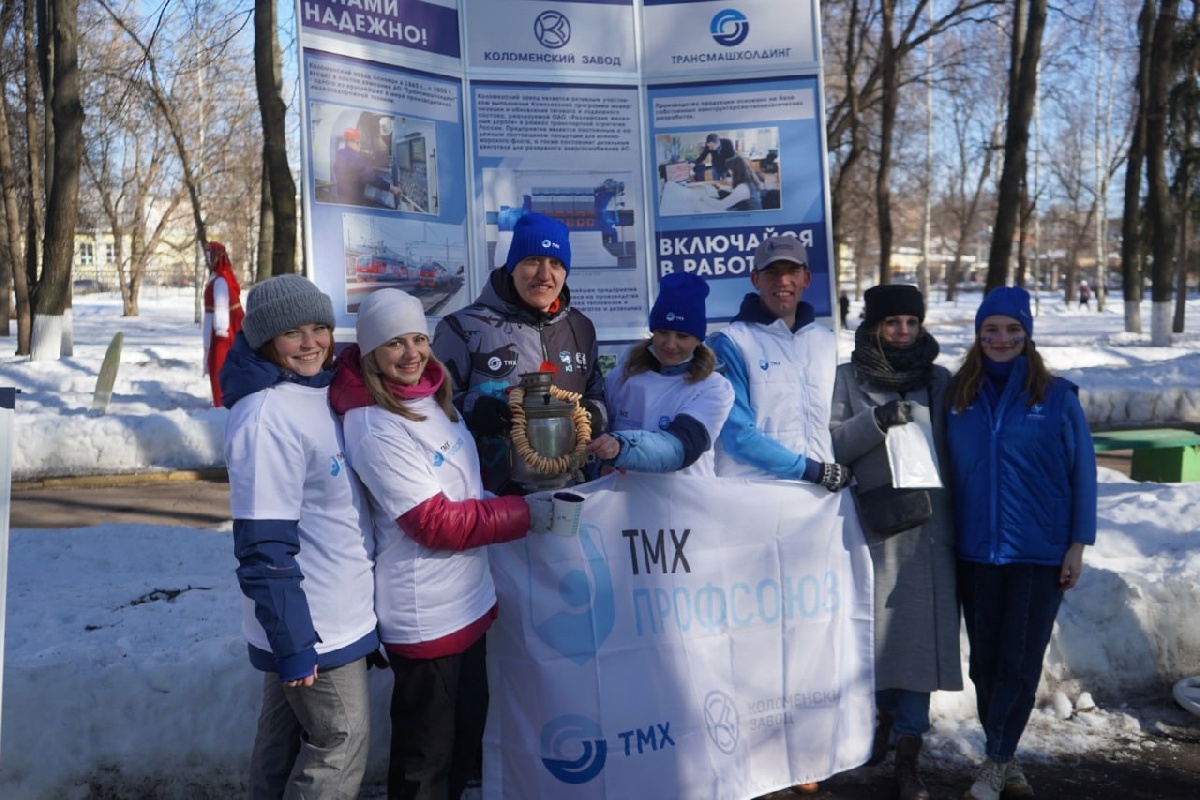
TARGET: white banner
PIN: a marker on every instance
(699, 638)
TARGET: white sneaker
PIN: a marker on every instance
(1016, 785)
(989, 782)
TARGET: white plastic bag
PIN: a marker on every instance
(911, 454)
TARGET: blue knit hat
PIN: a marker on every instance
(680, 304)
(1008, 301)
(539, 235)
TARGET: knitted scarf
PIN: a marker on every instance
(430, 382)
(898, 369)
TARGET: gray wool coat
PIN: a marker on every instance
(916, 607)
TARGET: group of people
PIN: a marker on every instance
(364, 494)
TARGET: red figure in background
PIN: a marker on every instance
(222, 314)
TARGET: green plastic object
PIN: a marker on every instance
(108, 374)
(1160, 455)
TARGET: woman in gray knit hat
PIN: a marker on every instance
(303, 547)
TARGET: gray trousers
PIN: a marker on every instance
(312, 740)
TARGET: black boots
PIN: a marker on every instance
(908, 779)
(883, 738)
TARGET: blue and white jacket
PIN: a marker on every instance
(1024, 475)
(300, 526)
(664, 422)
(783, 393)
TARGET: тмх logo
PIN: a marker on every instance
(729, 27)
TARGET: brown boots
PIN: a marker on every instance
(908, 779)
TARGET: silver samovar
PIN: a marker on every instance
(547, 446)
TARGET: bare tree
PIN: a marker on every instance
(1029, 21)
(1183, 143)
(281, 186)
(1159, 211)
(972, 107)
(863, 90)
(58, 57)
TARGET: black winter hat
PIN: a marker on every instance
(892, 300)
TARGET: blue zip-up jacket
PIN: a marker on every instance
(1024, 475)
(304, 557)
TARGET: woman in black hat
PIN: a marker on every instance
(910, 531)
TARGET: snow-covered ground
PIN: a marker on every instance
(123, 654)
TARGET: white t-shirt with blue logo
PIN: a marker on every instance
(649, 401)
(421, 594)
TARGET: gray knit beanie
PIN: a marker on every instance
(281, 303)
(386, 314)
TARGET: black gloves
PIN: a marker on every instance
(893, 412)
(834, 476)
(490, 416)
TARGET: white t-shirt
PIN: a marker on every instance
(649, 401)
(421, 594)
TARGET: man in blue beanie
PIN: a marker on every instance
(521, 322)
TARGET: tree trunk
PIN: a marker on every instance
(1159, 213)
(62, 202)
(266, 226)
(889, 98)
(1029, 22)
(1131, 223)
(25, 276)
(268, 80)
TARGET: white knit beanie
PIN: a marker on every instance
(281, 303)
(386, 314)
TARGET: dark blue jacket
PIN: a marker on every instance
(1024, 475)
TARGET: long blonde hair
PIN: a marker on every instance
(377, 386)
(966, 383)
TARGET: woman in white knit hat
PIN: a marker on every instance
(434, 594)
(302, 540)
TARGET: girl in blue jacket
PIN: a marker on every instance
(666, 404)
(1024, 480)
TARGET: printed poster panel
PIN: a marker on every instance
(386, 183)
(737, 162)
(658, 654)
(570, 152)
(583, 37)
(690, 38)
(418, 33)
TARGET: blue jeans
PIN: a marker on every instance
(909, 710)
(312, 740)
(1009, 612)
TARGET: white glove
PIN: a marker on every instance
(541, 513)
